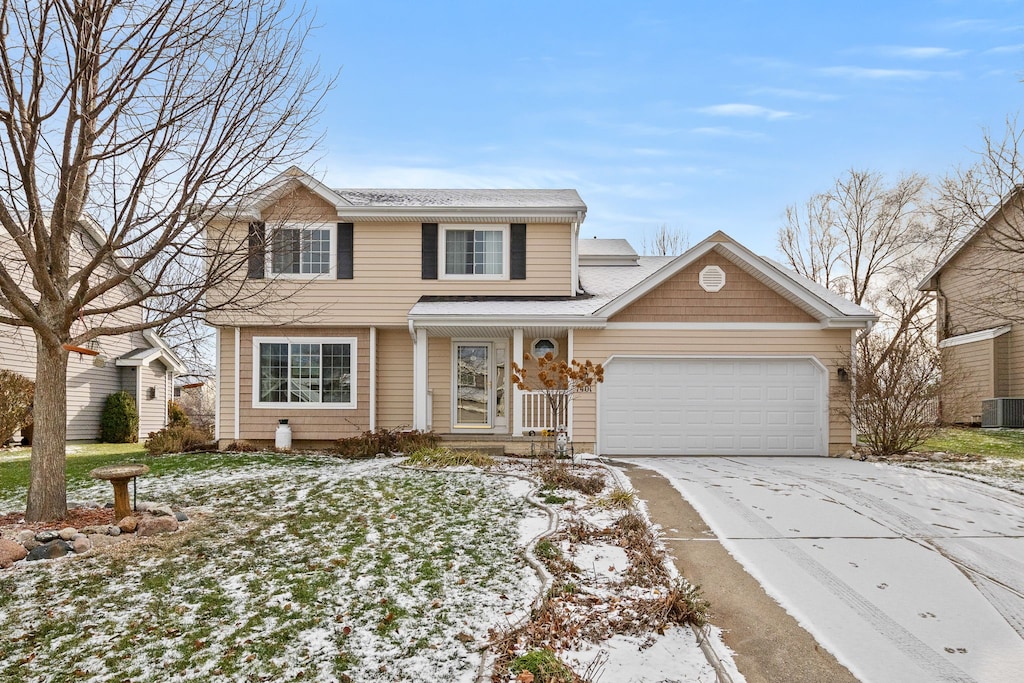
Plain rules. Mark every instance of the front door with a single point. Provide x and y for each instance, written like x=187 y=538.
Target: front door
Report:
x=473 y=404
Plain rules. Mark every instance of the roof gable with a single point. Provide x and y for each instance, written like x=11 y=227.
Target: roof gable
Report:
x=822 y=305
x=743 y=298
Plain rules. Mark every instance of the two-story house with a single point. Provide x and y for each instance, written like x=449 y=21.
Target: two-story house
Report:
x=139 y=363
x=406 y=308
x=978 y=288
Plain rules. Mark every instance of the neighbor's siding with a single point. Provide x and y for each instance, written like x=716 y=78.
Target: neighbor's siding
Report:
x=830 y=347
x=394 y=378
x=152 y=411
x=682 y=299
x=973 y=366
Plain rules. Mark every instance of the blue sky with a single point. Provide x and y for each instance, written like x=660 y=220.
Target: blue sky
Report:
x=698 y=115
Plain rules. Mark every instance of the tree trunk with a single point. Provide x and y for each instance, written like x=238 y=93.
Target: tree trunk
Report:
x=47 y=491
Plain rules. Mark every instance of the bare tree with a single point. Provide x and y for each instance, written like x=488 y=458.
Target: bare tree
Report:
x=873 y=242
x=133 y=121
x=666 y=241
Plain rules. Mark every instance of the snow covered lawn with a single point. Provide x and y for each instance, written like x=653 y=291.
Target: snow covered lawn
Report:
x=292 y=568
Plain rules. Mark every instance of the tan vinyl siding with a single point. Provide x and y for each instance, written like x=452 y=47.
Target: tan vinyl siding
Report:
x=387 y=279
x=91 y=379
x=439 y=381
x=394 y=378
x=830 y=347
x=308 y=424
x=226 y=385
x=974 y=367
x=682 y=299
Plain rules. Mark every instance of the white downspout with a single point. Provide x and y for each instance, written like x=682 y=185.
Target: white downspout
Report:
x=216 y=403
x=577 y=224
x=238 y=366
x=373 y=379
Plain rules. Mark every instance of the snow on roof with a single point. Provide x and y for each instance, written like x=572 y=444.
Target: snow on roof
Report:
x=602 y=284
x=606 y=247
x=478 y=198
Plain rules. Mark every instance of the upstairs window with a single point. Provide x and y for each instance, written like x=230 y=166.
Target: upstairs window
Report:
x=475 y=252
x=301 y=251
x=306 y=373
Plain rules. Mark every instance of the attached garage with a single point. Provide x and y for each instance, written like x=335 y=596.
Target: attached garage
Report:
x=712 y=406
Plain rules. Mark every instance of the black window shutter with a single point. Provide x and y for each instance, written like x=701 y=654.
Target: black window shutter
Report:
x=257 y=249
x=517 y=252
x=345 y=251
x=429 y=251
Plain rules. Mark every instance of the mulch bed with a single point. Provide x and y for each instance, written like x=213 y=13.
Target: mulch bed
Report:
x=76 y=517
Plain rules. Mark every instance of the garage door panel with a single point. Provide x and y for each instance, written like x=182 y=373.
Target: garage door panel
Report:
x=712 y=406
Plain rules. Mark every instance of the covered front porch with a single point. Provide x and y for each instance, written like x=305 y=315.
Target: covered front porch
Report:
x=463 y=386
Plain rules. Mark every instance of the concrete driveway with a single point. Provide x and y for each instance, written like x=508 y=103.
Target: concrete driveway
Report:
x=903 y=575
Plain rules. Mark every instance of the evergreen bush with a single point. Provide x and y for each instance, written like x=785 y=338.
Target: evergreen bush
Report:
x=176 y=415
x=16 y=393
x=120 y=422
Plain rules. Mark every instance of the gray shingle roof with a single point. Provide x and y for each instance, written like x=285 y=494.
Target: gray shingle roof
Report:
x=481 y=199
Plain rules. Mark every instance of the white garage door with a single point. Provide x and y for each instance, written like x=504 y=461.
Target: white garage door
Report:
x=698 y=406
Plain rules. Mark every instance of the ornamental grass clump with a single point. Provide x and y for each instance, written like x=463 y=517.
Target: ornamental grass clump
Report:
x=446 y=457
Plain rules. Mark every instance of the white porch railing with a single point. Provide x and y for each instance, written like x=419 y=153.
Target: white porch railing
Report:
x=537 y=414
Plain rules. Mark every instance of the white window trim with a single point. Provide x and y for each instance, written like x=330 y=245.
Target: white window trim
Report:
x=533 y=346
x=332 y=267
x=506 y=249
x=353 y=377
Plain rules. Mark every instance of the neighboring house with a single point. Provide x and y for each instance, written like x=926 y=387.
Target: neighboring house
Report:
x=406 y=308
x=978 y=290
x=139 y=363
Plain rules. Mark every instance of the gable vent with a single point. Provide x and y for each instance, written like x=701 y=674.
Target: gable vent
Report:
x=712 y=278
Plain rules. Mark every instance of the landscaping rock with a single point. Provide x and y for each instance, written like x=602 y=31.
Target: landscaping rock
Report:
x=113 y=530
x=82 y=544
x=937 y=457
x=161 y=511
x=151 y=526
x=102 y=540
x=47 y=536
x=31 y=544
x=11 y=552
x=128 y=525
x=68 y=532
x=181 y=516
x=50 y=551
x=24 y=535
x=144 y=506
x=94 y=529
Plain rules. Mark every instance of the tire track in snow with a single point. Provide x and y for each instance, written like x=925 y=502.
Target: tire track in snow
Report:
x=915 y=649
x=983 y=566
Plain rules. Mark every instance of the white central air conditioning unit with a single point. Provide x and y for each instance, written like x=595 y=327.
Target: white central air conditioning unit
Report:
x=1002 y=412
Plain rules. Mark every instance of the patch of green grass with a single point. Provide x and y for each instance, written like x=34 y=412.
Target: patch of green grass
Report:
x=1002 y=443
x=554 y=499
x=290 y=557
x=544 y=665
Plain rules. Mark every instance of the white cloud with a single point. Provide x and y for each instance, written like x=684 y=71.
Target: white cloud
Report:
x=745 y=110
x=1005 y=49
x=865 y=73
x=794 y=94
x=908 y=52
x=726 y=132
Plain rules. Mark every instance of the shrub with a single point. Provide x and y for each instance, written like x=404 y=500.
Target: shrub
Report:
x=120 y=422
x=177 y=439
x=446 y=457
x=16 y=393
x=555 y=476
x=545 y=667
x=386 y=441
x=242 y=446
x=176 y=415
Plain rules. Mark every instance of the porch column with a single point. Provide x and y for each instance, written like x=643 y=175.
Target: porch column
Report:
x=419 y=380
x=570 y=353
x=517 y=394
